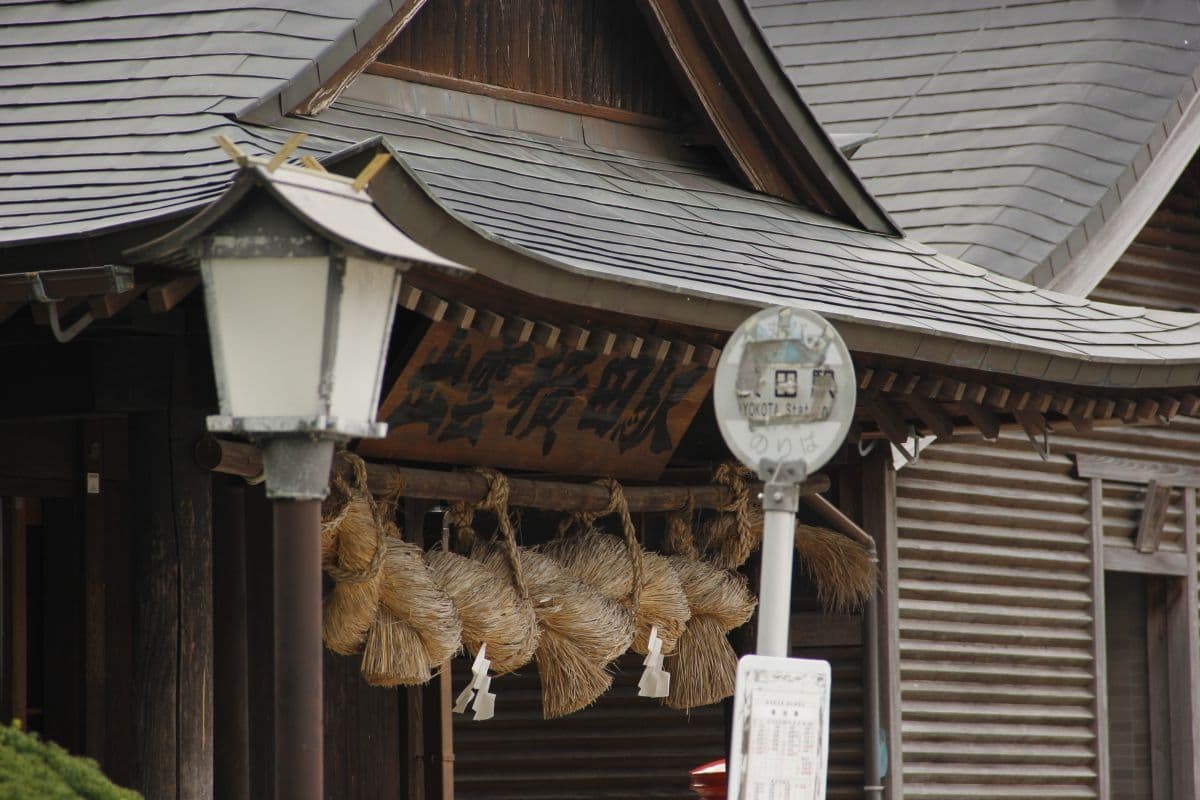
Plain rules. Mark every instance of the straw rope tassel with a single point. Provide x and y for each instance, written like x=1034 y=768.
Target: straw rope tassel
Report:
x=494 y=607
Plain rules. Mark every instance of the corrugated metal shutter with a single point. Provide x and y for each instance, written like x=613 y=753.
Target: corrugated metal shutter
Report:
x=623 y=748
x=994 y=603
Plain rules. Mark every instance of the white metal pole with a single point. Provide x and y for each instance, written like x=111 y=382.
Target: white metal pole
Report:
x=775 y=574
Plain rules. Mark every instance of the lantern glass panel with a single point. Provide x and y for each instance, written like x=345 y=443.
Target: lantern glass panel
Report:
x=267 y=325
x=363 y=329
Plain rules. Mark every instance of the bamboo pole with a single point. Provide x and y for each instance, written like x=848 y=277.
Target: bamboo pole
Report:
x=245 y=460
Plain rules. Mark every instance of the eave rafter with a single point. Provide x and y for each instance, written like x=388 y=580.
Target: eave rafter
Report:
x=87 y=294
x=895 y=403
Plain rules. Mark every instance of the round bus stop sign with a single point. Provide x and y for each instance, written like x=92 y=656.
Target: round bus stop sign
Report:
x=785 y=390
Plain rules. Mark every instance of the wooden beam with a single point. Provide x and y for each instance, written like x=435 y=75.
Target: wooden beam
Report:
x=460 y=314
x=1035 y=427
x=987 y=422
x=1154 y=516
x=930 y=386
x=109 y=305
x=1120 y=559
x=1080 y=414
x=574 y=337
x=487 y=322
x=545 y=334
x=1018 y=400
x=165 y=296
x=1062 y=404
x=1189 y=405
x=884 y=380
x=997 y=397
x=516 y=329
x=891 y=422
x=1147 y=409
x=245 y=460
x=1168 y=407
x=936 y=419
x=1128 y=470
x=975 y=394
x=865 y=376
x=707 y=355
x=1099 y=636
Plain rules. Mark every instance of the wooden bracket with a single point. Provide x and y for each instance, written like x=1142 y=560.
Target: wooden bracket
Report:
x=940 y=423
x=1154 y=517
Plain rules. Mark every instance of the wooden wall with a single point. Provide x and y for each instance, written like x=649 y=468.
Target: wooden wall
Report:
x=995 y=652
x=995 y=595
x=597 y=52
x=1161 y=269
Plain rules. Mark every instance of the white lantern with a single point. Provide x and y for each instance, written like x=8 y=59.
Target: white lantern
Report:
x=301 y=275
x=299 y=343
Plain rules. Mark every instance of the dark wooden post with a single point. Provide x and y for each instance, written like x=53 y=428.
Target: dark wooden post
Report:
x=298 y=651
x=14 y=685
x=231 y=734
x=260 y=646
x=879 y=520
x=171 y=546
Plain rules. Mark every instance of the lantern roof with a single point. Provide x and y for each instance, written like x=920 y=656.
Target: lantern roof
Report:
x=338 y=209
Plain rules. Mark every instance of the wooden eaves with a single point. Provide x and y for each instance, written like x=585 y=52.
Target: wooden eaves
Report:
x=563 y=292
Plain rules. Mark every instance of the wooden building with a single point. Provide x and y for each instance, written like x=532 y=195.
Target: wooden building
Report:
x=627 y=180
x=1045 y=640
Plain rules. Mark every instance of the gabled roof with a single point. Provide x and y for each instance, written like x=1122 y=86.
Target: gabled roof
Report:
x=109 y=107
x=1006 y=134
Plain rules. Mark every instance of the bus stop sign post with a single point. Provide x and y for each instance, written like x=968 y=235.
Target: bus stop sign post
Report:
x=784 y=397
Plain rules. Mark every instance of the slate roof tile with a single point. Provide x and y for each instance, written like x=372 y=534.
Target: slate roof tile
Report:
x=536 y=193
x=1020 y=100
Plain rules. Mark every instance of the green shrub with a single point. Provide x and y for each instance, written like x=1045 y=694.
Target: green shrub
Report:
x=31 y=769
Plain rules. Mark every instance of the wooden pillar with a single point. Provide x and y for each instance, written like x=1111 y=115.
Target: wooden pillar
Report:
x=1183 y=660
x=63 y=614
x=429 y=736
x=231 y=722
x=14 y=677
x=171 y=546
x=1099 y=637
x=879 y=520
x=260 y=638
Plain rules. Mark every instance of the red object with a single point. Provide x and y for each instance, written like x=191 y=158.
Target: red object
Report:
x=708 y=780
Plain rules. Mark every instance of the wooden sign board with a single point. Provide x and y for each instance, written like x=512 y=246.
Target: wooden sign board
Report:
x=467 y=398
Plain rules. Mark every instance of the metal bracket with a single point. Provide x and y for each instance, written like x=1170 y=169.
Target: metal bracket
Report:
x=51 y=303
x=781 y=484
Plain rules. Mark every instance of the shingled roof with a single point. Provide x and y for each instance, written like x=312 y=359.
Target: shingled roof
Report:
x=119 y=99
x=109 y=107
x=679 y=228
x=1004 y=133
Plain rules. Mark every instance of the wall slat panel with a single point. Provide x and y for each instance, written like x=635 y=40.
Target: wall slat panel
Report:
x=996 y=664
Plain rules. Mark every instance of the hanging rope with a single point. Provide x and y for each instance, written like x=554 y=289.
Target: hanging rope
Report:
x=496 y=501
x=736 y=477
x=678 y=539
x=619 y=506
x=360 y=490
